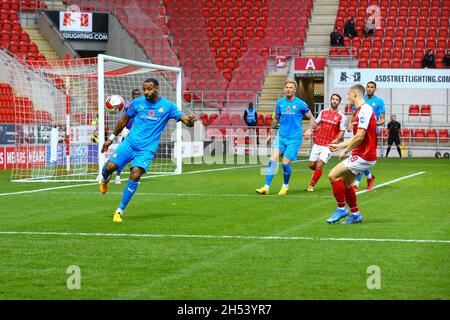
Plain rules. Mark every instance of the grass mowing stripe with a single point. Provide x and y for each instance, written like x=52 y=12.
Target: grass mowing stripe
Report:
x=198 y=194
x=199 y=236
x=145 y=177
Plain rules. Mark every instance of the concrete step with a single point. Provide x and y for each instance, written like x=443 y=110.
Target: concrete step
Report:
x=323 y=19
x=316 y=39
x=269 y=98
x=326 y=2
x=325 y=9
x=42 y=43
x=320 y=28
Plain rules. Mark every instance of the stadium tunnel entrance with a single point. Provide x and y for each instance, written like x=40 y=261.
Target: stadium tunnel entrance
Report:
x=311 y=90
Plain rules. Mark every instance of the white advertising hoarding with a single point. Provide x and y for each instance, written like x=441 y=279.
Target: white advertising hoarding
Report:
x=394 y=78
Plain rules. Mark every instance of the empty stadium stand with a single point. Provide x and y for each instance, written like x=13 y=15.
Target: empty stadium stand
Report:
x=13 y=37
x=27 y=114
x=407 y=29
x=222 y=45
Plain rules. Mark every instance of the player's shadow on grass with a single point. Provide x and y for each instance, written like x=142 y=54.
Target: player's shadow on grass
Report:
x=152 y=216
x=378 y=220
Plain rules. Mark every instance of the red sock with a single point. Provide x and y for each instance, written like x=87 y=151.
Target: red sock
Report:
x=316 y=176
x=350 y=196
x=339 y=192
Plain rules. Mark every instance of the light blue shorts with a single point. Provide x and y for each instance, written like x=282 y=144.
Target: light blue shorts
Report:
x=289 y=149
x=125 y=153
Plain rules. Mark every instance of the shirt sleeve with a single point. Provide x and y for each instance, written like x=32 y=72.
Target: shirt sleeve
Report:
x=278 y=110
x=365 y=114
x=319 y=117
x=175 y=113
x=381 y=109
x=305 y=109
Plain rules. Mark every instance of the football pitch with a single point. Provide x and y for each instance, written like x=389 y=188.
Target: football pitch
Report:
x=207 y=235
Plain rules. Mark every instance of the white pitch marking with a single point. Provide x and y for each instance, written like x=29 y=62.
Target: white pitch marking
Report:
x=199 y=236
x=392 y=181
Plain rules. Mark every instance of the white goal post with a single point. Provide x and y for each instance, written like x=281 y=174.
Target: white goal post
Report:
x=169 y=79
x=60 y=121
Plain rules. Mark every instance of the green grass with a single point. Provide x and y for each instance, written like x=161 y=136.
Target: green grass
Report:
x=34 y=266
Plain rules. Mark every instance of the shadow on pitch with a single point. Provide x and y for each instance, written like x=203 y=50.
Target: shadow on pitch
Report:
x=378 y=220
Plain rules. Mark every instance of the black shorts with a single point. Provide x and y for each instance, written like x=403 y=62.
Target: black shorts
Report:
x=395 y=139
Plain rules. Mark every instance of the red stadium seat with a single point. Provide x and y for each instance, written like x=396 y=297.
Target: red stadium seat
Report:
x=268 y=121
x=431 y=135
x=406 y=64
x=419 y=135
x=425 y=110
x=205 y=119
x=213 y=118
x=385 y=63
x=363 y=63
x=407 y=133
x=443 y=135
x=386 y=53
x=408 y=53
x=375 y=54
x=414 y=110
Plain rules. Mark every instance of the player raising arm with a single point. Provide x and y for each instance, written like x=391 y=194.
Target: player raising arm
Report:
x=289 y=113
x=364 y=156
x=151 y=113
x=328 y=128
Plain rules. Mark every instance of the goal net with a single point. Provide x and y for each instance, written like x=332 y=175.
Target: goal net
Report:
x=61 y=121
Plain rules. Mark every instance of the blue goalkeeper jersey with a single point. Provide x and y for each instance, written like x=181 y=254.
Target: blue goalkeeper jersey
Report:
x=150 y=120
x=291 y=116
x=377 y=105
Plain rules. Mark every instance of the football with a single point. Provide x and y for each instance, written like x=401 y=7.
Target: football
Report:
x=114 y=103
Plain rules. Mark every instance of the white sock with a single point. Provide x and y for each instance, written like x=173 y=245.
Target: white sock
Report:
x=342 y=209
x=267 y=186
x=355 y=213
x=285 y=186
x=119 y=211
x=369 y=176
x=356 y=183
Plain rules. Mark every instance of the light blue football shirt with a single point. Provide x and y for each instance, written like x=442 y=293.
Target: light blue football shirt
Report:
x=377 y=105
x=150 y=120
x=291 y=116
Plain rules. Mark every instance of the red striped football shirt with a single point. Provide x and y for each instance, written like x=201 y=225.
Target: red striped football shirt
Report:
x=365 y=119
x=330 y=124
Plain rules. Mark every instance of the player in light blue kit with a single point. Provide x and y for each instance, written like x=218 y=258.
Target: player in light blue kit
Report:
x=134 y=94
x=289 y=112
x=377 y=105
x=151 y=113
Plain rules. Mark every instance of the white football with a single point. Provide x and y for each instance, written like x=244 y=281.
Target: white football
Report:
x=114 y=103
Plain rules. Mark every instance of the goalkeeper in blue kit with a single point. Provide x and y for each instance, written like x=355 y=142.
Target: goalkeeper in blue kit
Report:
x=151 y=113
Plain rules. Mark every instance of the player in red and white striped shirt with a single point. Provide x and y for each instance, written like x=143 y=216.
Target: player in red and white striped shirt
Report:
x=364 y=156
x=328 y=128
